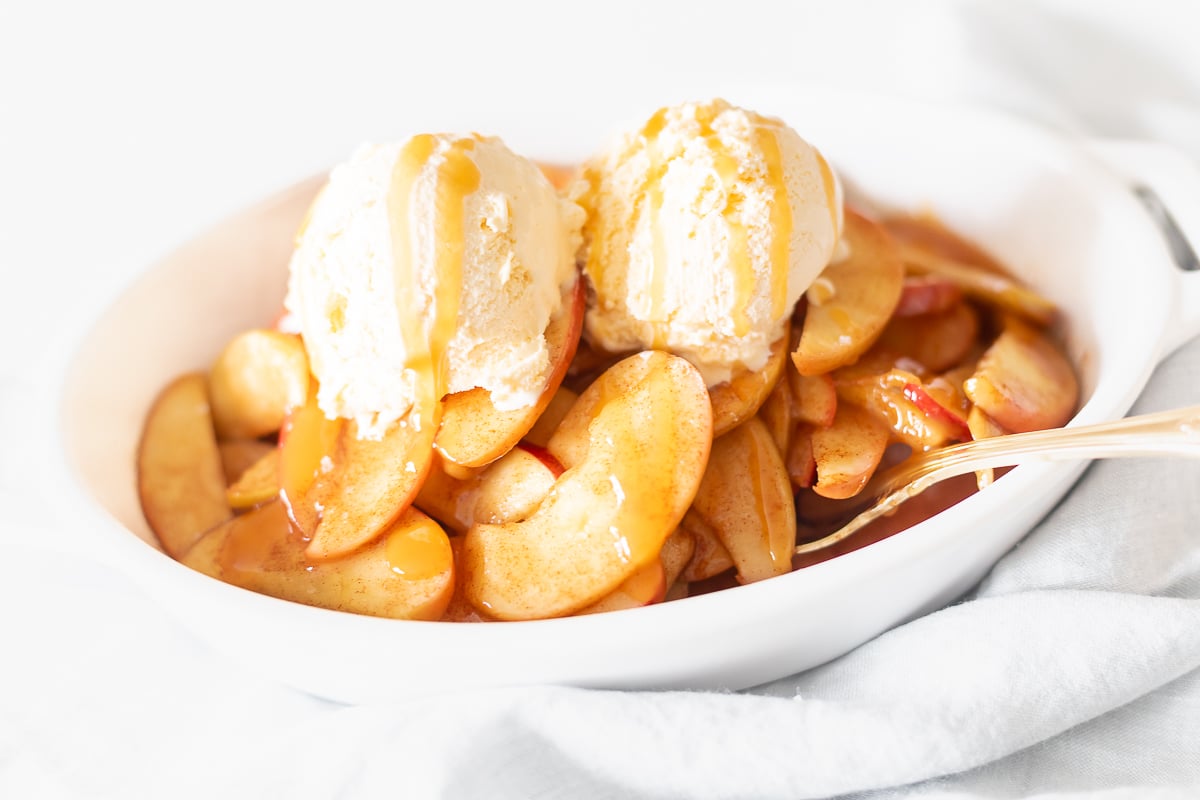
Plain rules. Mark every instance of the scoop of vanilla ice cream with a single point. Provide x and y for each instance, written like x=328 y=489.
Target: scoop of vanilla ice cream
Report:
x=704 y=228
x=459 y=229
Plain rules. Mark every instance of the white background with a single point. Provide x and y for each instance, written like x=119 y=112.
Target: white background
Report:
x=125 y=127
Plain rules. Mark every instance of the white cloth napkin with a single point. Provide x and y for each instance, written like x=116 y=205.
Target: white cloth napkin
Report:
x=1073 y=670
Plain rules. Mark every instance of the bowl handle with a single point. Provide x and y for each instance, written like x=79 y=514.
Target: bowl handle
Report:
x=1167 y=182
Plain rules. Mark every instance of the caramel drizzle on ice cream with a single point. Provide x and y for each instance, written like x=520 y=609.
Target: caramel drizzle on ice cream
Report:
x=426 y=340
x=738 y=248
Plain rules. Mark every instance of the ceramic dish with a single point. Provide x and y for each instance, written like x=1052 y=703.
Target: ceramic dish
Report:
x=1061 y=216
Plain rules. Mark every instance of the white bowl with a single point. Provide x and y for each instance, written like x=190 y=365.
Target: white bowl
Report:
x=1050 y=208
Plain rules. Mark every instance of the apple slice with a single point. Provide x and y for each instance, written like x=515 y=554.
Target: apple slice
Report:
x=848 y=451
x=927 y=294
x=800 y=462
x=982 y=426
x=551 y=416
x=1023 y=381
x=408 y=573
x=459 y=609
x=474 y=432
x=256 y=380
x=257 y=485
x=709 y=556
x=993 y=288
x=865 y=289
x=898 y=399
x=342 y=491
x=778 y=414
x=507 y=490
x=747 y=499
x=180 y=481
x=646 y=429
x=676 y=552
x=646 y=585
x=739 y=398
x=937 y=341
x=239 y=455
x=815 y=398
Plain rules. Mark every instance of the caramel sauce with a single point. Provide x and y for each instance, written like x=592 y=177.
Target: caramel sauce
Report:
x=741 y=264
x=260 y=541
x=781 y=219
x=654 y=196
x=426 y=343
x=309 y=450
x=419 y=551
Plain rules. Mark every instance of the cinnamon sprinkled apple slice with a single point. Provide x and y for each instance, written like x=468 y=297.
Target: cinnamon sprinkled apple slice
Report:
x=864 y=291
x=642 y=434
x=180 y=480
x=474 y=433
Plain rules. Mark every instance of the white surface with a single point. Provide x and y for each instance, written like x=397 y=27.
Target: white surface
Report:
x=126 y=129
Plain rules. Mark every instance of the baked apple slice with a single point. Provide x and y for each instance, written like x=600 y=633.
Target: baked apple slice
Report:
x=181 y=483
x=709 y=556
x=1023 y=381
x=507 y=490
x=864 y=291
x=647 y=584
x=847 y=452
x=257 y=484
x=239 y=455
x=256 y=380
x=408 y=573
x=938 y=340
x=747 y=499
x=341 y=491
x=474 y=433
x=739 y=398
x=552 y=415
x=644 y=430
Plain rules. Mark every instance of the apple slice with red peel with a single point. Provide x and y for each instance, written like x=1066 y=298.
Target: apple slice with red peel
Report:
x=994 y=288
x=180 y=481
x=408 y=573
x=646 y=426
x=551 y=416
x=1023 y=381
x=239 y=455
x=342 y=491
x=474 y=432
x=739 y=398
x=257 y=485
x=898 y=400
x=747 y=499
x=255 y=381
x=848 y=451
x=937 y=413
x=865 y=289
x=507 y=490
x=927 y=294
x=709 y=556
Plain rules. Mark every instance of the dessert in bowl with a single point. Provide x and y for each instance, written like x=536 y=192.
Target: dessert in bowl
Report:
x=1053 y=214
